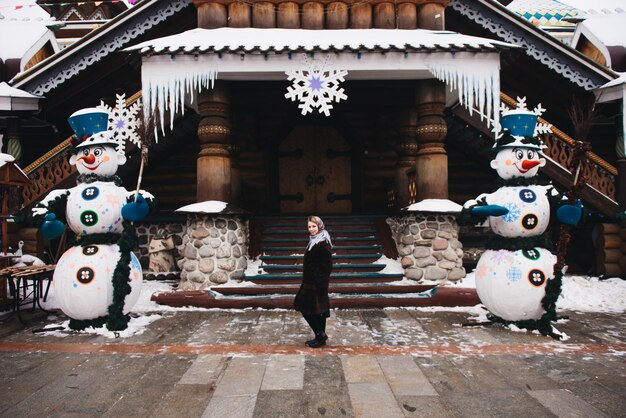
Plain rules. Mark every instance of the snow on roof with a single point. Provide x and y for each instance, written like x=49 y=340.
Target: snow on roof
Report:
x=280 y=40
x=208 y=206
x=608 y=29
x=597 y=7
x=23 y=35
x=434 y=205
x=8 y=91
x=22 y=10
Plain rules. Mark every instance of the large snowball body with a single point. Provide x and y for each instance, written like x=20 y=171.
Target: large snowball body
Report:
x=95 y=208
x=83 y=283
x=529 y=211
x=511 y=284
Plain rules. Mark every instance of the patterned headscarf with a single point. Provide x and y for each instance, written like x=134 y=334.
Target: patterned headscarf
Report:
x=321 y=235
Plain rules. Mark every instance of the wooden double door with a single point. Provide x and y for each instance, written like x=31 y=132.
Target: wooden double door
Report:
x=315 y=172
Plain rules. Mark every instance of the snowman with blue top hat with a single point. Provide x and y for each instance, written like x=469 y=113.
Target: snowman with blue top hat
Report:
x=515 y=277
x=98 y=280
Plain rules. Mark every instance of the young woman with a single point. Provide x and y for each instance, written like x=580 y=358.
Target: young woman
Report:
x=312 y=298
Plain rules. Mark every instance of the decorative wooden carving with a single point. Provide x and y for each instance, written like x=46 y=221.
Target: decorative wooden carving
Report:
x=361 y=16
x=211 y=15
x=263 y=15
x=312 y=15
x=385 y=16
x=432 y=160
x=288 y=15
x=407 y=16
x=337 y=15
x=406 y=148
x=239 y=15
x=214 y=159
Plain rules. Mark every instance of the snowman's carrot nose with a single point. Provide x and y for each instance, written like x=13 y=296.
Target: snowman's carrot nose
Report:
x=89 y=159
x=528 y=164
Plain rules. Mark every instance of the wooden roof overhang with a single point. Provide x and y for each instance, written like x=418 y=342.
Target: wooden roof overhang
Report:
x=267 y=54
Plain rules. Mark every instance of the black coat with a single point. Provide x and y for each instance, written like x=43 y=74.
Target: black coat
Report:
x=312 y=298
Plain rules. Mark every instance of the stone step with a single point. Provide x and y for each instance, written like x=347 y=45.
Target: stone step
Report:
x=339 y=258
x=335 y=288
x=343 y=267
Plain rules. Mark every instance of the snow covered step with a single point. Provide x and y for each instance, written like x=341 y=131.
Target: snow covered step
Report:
x=335 y=234
x=442 y=296
x=337 y=258
x=337 y=249
x=329 y=225
x=292 y=289
x=302 y=242
x=345 y=267
x=333 y=296
x=335 y=277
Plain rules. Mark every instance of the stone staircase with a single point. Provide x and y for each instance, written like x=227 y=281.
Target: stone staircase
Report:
x=365 y=273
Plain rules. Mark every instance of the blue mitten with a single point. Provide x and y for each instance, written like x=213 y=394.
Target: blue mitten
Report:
x=52 y=228
x=570 y=214
x=137 y=210
x=489 y=210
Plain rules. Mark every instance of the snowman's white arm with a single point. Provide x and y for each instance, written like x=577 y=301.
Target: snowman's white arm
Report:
x=48 y=204
x=130 y=196
x=474 y=202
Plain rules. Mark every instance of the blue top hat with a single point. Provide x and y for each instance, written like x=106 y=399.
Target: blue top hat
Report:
x=91 y=127
x=519 y=122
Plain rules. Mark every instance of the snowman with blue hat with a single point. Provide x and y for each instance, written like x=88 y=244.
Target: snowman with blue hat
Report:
x=98 y=280
x=515 y=277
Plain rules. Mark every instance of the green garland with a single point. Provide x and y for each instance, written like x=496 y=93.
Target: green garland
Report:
x=517 y=181
x=91 y=178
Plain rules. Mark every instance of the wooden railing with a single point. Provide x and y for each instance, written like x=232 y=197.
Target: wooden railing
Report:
x=48 y=171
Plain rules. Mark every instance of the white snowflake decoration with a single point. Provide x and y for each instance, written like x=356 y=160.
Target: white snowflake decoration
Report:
x=124 y=122
x=316 y=86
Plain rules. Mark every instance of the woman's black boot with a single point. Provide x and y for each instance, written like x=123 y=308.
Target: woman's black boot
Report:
x=320 y=340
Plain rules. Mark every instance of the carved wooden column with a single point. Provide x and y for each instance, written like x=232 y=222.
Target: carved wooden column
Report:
x=211 y=14
x=431 y=15
x=432 y=161
x=214 y=160
x=406 y=147
x=13 y=139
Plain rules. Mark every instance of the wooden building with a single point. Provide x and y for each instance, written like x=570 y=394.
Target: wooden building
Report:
x=399 y=137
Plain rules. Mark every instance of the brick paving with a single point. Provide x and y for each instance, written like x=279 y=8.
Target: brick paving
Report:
x=379 y=363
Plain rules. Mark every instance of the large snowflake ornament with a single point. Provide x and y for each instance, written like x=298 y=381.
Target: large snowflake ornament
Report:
x=316 y=86
x=124 y=122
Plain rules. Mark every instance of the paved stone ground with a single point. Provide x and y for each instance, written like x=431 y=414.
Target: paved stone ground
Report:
x=379 y=363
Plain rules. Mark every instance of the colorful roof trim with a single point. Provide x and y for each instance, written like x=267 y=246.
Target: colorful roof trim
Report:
x=543 y=12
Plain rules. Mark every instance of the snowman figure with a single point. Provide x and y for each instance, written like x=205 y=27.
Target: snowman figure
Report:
x=98 y=280
x=513 y=274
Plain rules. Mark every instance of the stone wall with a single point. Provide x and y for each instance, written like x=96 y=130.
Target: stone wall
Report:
x=214 y=250
x=429 y=246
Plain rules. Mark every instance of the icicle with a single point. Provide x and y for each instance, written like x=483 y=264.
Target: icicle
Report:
x=165 y=85
x=477 y=83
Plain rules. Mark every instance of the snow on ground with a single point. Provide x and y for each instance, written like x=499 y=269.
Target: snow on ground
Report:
x=581 y=294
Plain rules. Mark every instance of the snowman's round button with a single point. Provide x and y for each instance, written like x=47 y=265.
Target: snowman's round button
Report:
x=527 y=195
x=530 y=221
x=85 y=275
x=531 y=254
x=536 y=277
x=90 y=250
x=89 y=218
x=90 y=193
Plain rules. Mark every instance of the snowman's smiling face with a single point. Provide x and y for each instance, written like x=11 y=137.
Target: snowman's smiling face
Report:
x=100 y=159
x=517 y=162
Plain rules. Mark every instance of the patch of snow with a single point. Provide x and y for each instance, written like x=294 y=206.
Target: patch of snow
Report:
x=6 y=158
x=391 y=266
x=590 y=294
x=208 y=206
x=254 y=267
x=8 y=91
x=434 y=205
